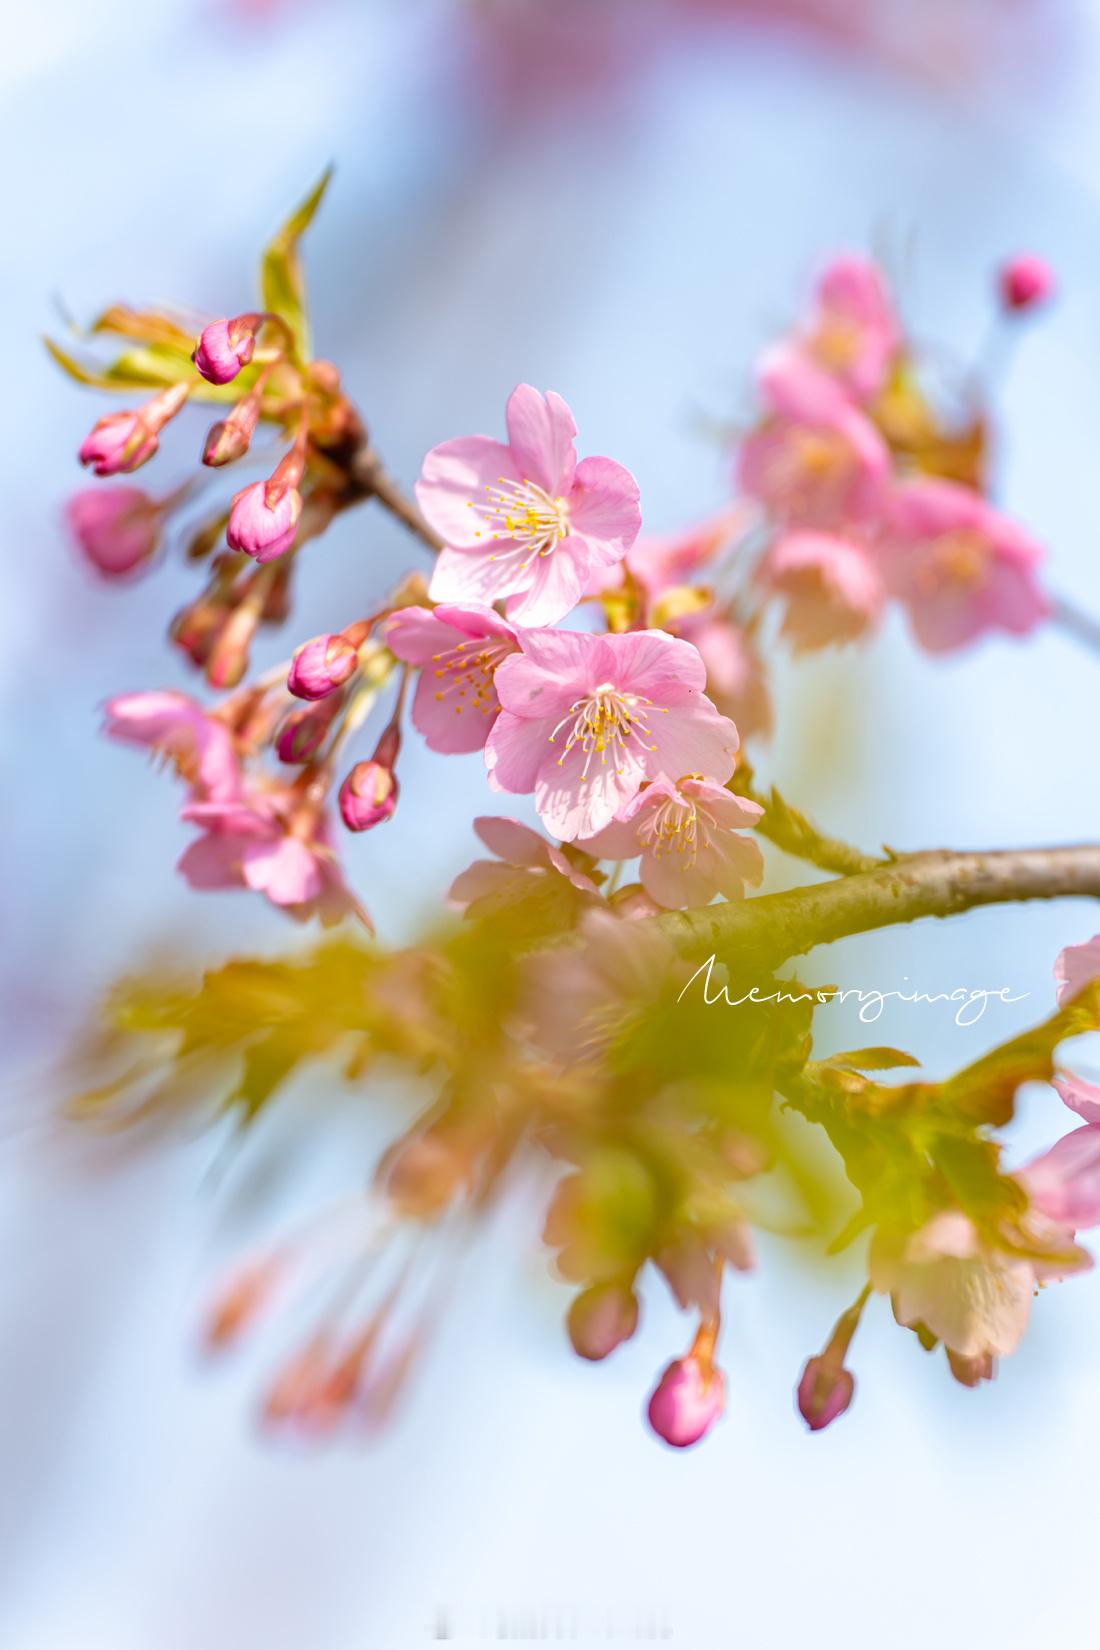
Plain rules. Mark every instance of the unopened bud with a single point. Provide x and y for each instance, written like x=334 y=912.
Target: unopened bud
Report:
x=972 y=1371
x=1025 y=282
x=118 y=444
x=321 y=666
x=824 y=1392
x=225 y=347
x=368 y=795
x=230 y=439
x=303 y=732
x=117 y=528
x=602 y=1318
x=688 y=1399
x=228 y=658
x=261 y=530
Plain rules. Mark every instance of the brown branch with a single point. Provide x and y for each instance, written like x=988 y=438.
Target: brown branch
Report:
x=936 y=884
x=370 y=479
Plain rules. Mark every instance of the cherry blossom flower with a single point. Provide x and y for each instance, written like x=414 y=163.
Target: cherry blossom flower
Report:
x=816 y=461
x=457 y=650
x=1077 y=966
x=736 y=680
x=523 y=858
x=657 y=562
x=971 y=1295
x=267 y=843
x=959 y=566
x=117 y=528
x=200 y=747
x=832 y=588
x=524 y=521
x=585 y=719
x=1064 y=1182
x=686 y=833
x=853 y=333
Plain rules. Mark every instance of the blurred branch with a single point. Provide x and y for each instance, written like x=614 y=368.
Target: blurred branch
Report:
x=940 y=883
x=1080 y=625
x=370 y=479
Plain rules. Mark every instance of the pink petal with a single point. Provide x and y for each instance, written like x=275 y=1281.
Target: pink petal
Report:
x=1064 y=1183
x=453 y=480
x=692 y=738
x=467 y=576
x=554 y=585
x=556 y=668
x=604 y=508
x=451 y=728
x=286 y=870
x=1079 y=1096
x=661 y=667
x=1077 y=966
x=541 y=432
x=512 y=841
x=516 y=749
x=416 y=635
x=212 y=862
x=571 y=806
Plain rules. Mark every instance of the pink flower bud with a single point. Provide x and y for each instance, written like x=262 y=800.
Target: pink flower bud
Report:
x=118 y=444
x=304 y=731
x=972 y=1371
x=824 y=1392
x=687 y=1401
x=230 y=439
x=368 y=795
x=1025 y=282
x=117 y=528
x=261 y=530
x=321 y=666
x=225 y=347
x=602 y=1318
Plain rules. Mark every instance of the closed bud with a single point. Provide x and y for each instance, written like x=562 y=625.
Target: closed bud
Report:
x=261 y=530
x=688 y=1399
x=231 y=438
x=602 y=1318
x=321 y=666
x=117 y=528
x=229 y=654
x=368 y=795
x=225 y=347
x=1025 y=282
x=118 y=444
x=972 y=1371
x=304 y=731
x=824 y=1392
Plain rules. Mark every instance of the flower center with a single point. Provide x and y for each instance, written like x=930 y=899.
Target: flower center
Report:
x=465 y=673
x=958 y=559
x=525 y=512
x=606 y=720
x=836 y=343
x=677 y=826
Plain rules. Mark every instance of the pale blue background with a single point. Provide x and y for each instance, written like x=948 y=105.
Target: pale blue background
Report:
x=634 y=260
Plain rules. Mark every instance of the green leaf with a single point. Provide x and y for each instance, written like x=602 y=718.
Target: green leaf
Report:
x=871 y=1059
x=282 y=282
x=149 y=367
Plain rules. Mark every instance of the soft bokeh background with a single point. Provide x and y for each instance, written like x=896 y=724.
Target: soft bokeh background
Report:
x=620 y=202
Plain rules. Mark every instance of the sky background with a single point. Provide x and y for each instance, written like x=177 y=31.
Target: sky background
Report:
x=625 y=217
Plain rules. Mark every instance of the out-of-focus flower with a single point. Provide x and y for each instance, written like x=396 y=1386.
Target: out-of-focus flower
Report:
x=225 y=347
x=261 y=529
x=736 y=679
x=853 y=331
x=117 y=528
x=302 y=733
x=586 y=718
x=124 y=441
x=525 y=521
x=1077 y=966
x=200 y=747
x=971 y=1295
x=601 y=1319
x=321 y=666
x=687 y=833
x=688 y=1399
x=457 y=651
x=816 y=461
x=1079 y=1096
x=832 y=589
x=1064 y=1182
x=959 y=566
x=267 y=842
x=1025 y=282
x=523 y=858
x=971 y=1372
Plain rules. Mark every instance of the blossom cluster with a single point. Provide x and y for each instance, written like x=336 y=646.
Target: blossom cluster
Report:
x=611 y=676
